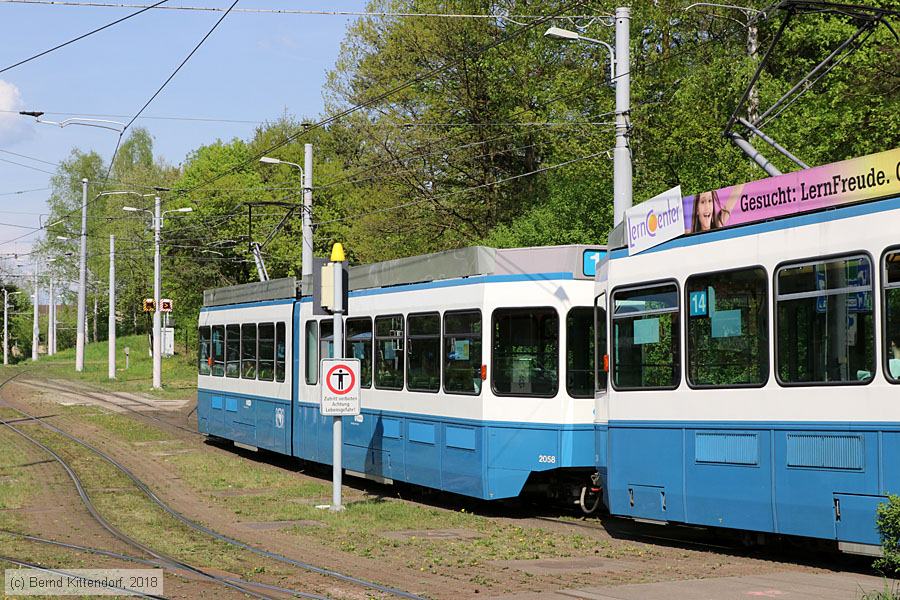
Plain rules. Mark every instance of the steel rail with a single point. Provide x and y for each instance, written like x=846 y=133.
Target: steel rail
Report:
x=172 y=562
x=206 y=530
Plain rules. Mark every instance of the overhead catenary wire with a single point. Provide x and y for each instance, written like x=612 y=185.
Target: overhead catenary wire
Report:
x=148 y=117
x=466 y=190
x=19 y=192
x=81 y=37
x=379 y=97
x=294 y=11
x=166 y=82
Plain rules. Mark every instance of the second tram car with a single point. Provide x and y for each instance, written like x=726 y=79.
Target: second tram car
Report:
x=476 y=369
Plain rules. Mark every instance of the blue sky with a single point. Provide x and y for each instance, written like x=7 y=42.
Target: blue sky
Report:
x=254 y=68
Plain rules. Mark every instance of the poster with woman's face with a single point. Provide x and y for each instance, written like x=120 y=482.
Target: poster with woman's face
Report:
x=845 y=182
x=710 y=210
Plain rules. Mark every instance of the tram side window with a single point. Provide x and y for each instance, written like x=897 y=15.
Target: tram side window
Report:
x=892 y=315
x=232 y=351
x=280 y=345
x=266 y=352
x=389 y=352
x=580 y=352
x=359 y=345
x=218 y=350
x=525 y=352
x=248 y=351
x=204 y=353
x=825 y=322
x=728 y=341
x=462 y=352
x=645 y=347
x=423 y=353
x=312 y=352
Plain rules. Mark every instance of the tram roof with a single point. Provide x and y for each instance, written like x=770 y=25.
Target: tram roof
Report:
x=437 y=266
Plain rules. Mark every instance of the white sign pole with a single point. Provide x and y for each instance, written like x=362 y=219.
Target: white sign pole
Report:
x=337 y=256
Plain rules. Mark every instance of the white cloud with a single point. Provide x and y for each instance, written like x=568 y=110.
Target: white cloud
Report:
x=13 y=127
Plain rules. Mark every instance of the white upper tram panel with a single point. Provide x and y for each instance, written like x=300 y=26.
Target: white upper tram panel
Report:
x=865 y=231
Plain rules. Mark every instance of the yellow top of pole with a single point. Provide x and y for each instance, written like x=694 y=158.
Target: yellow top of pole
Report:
x=337 y=253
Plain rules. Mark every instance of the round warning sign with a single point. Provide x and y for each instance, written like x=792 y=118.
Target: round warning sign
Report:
x=340 y=387
x=340 y=379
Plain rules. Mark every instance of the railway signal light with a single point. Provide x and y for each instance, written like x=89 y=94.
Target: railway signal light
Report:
x=149 y=305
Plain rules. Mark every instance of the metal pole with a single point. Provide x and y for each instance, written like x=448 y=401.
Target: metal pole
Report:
x=5 y=329
x=337 y=423
x=112 y=307
x=82 y=283
x=307 y=255
x=157 y=327
x=622 y=153
x=50 y=320
x=35 y=327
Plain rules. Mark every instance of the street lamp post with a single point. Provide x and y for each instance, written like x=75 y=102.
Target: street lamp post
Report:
x=620 y=73
x=51 y=312
x=112 y=309
x=82 y=282
x=6 y=296
x=307 y=242
x=35 y=327
x=157 y=215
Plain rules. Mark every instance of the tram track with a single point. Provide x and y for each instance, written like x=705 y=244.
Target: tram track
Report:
x=56 y=387
x=162 y=559
x=191 y=524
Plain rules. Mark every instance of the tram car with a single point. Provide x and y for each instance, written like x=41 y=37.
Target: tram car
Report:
x=753 y=369
x=477 y=373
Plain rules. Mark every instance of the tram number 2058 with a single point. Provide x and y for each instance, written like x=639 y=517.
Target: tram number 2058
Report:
x=547 y=458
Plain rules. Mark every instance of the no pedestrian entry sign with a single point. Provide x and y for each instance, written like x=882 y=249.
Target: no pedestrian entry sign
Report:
x=340 y=387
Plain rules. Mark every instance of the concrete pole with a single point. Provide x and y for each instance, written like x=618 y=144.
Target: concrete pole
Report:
x=622 y=172
x=157 y=284
x=307 y=254
x=82 y=283
x=5 y=328
x=337 y=423
x=51 y=316
x=112 y=307
x=35 y=327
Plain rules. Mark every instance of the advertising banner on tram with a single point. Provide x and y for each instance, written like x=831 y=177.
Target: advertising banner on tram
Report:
x=654 y=221
x=854 y=180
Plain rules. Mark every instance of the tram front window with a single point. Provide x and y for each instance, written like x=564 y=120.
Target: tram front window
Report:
x=892 y=315
x=645 y=348
x=825 y=322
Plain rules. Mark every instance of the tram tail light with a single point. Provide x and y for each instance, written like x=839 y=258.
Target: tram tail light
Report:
x=484 y=372
x=606 y=363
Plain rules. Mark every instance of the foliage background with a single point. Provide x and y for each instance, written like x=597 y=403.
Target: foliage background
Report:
x=452 y=106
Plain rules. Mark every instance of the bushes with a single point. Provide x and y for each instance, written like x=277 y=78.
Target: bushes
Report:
x=888 y=519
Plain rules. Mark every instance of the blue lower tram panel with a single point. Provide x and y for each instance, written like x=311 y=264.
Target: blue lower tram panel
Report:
x=805 y=480
x=481 y=460
x=251 y=420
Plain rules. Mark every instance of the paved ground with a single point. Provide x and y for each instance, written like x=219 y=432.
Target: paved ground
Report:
x=786 y=585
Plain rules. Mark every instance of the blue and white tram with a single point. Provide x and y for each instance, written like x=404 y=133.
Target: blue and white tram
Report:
x=477 y=382
x=753 y=376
